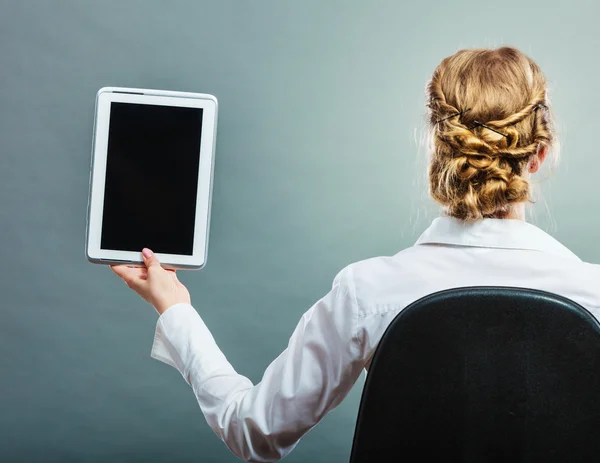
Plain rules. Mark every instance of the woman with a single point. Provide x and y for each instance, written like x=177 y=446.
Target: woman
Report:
x=491 y=128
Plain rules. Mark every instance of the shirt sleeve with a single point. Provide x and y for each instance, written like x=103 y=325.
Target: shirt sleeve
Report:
x=264 y=422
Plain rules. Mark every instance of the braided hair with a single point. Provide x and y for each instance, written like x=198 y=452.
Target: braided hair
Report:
x=489 y=114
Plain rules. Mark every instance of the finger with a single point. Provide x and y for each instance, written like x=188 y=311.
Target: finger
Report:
x=151 y=260
x=130 y=274
x=120 y=270
x=139 y=273
x=124 y=269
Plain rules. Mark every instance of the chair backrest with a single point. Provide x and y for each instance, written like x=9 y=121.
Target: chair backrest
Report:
x=484 y=374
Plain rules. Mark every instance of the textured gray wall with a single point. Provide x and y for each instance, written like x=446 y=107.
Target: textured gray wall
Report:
x=318 y=164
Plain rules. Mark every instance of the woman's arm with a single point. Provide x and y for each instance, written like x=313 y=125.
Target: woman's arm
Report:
x=264 y=422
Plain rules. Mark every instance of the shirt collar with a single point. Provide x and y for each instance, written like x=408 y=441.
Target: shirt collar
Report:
x=493 y=233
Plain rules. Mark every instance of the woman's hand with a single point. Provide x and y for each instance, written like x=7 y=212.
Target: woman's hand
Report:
x=156 y=285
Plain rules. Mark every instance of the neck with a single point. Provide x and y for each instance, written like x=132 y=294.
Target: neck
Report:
x=517 y=212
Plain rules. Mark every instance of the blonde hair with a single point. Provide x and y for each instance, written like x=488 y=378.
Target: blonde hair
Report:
x=489 y=113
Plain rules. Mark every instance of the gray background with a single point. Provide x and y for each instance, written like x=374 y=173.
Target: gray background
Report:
x=319 y=163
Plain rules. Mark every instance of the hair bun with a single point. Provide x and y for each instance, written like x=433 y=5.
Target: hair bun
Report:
x=479 y=153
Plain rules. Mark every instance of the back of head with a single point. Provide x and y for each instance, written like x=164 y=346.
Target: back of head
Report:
x=489 y=114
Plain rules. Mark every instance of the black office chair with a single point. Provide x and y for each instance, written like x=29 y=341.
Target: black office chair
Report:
x=484 y=374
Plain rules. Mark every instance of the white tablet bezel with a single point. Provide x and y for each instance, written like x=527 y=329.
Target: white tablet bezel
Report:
x=104 y=98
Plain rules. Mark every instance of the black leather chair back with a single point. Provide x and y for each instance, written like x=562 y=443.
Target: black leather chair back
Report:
x=484 y=374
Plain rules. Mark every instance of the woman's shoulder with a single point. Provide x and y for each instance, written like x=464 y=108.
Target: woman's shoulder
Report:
x=375 y=266
x=383 y=277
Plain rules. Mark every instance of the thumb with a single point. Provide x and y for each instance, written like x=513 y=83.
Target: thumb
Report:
x=150 y=258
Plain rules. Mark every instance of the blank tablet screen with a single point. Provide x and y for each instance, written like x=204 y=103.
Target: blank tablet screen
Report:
x=151 y=178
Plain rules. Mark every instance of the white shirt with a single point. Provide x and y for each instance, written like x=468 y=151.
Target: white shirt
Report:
x=336 y=338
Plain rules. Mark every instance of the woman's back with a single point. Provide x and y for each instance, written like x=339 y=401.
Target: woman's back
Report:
x=451 y=254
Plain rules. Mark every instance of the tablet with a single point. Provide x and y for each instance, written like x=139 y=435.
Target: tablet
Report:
x=151 y=177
